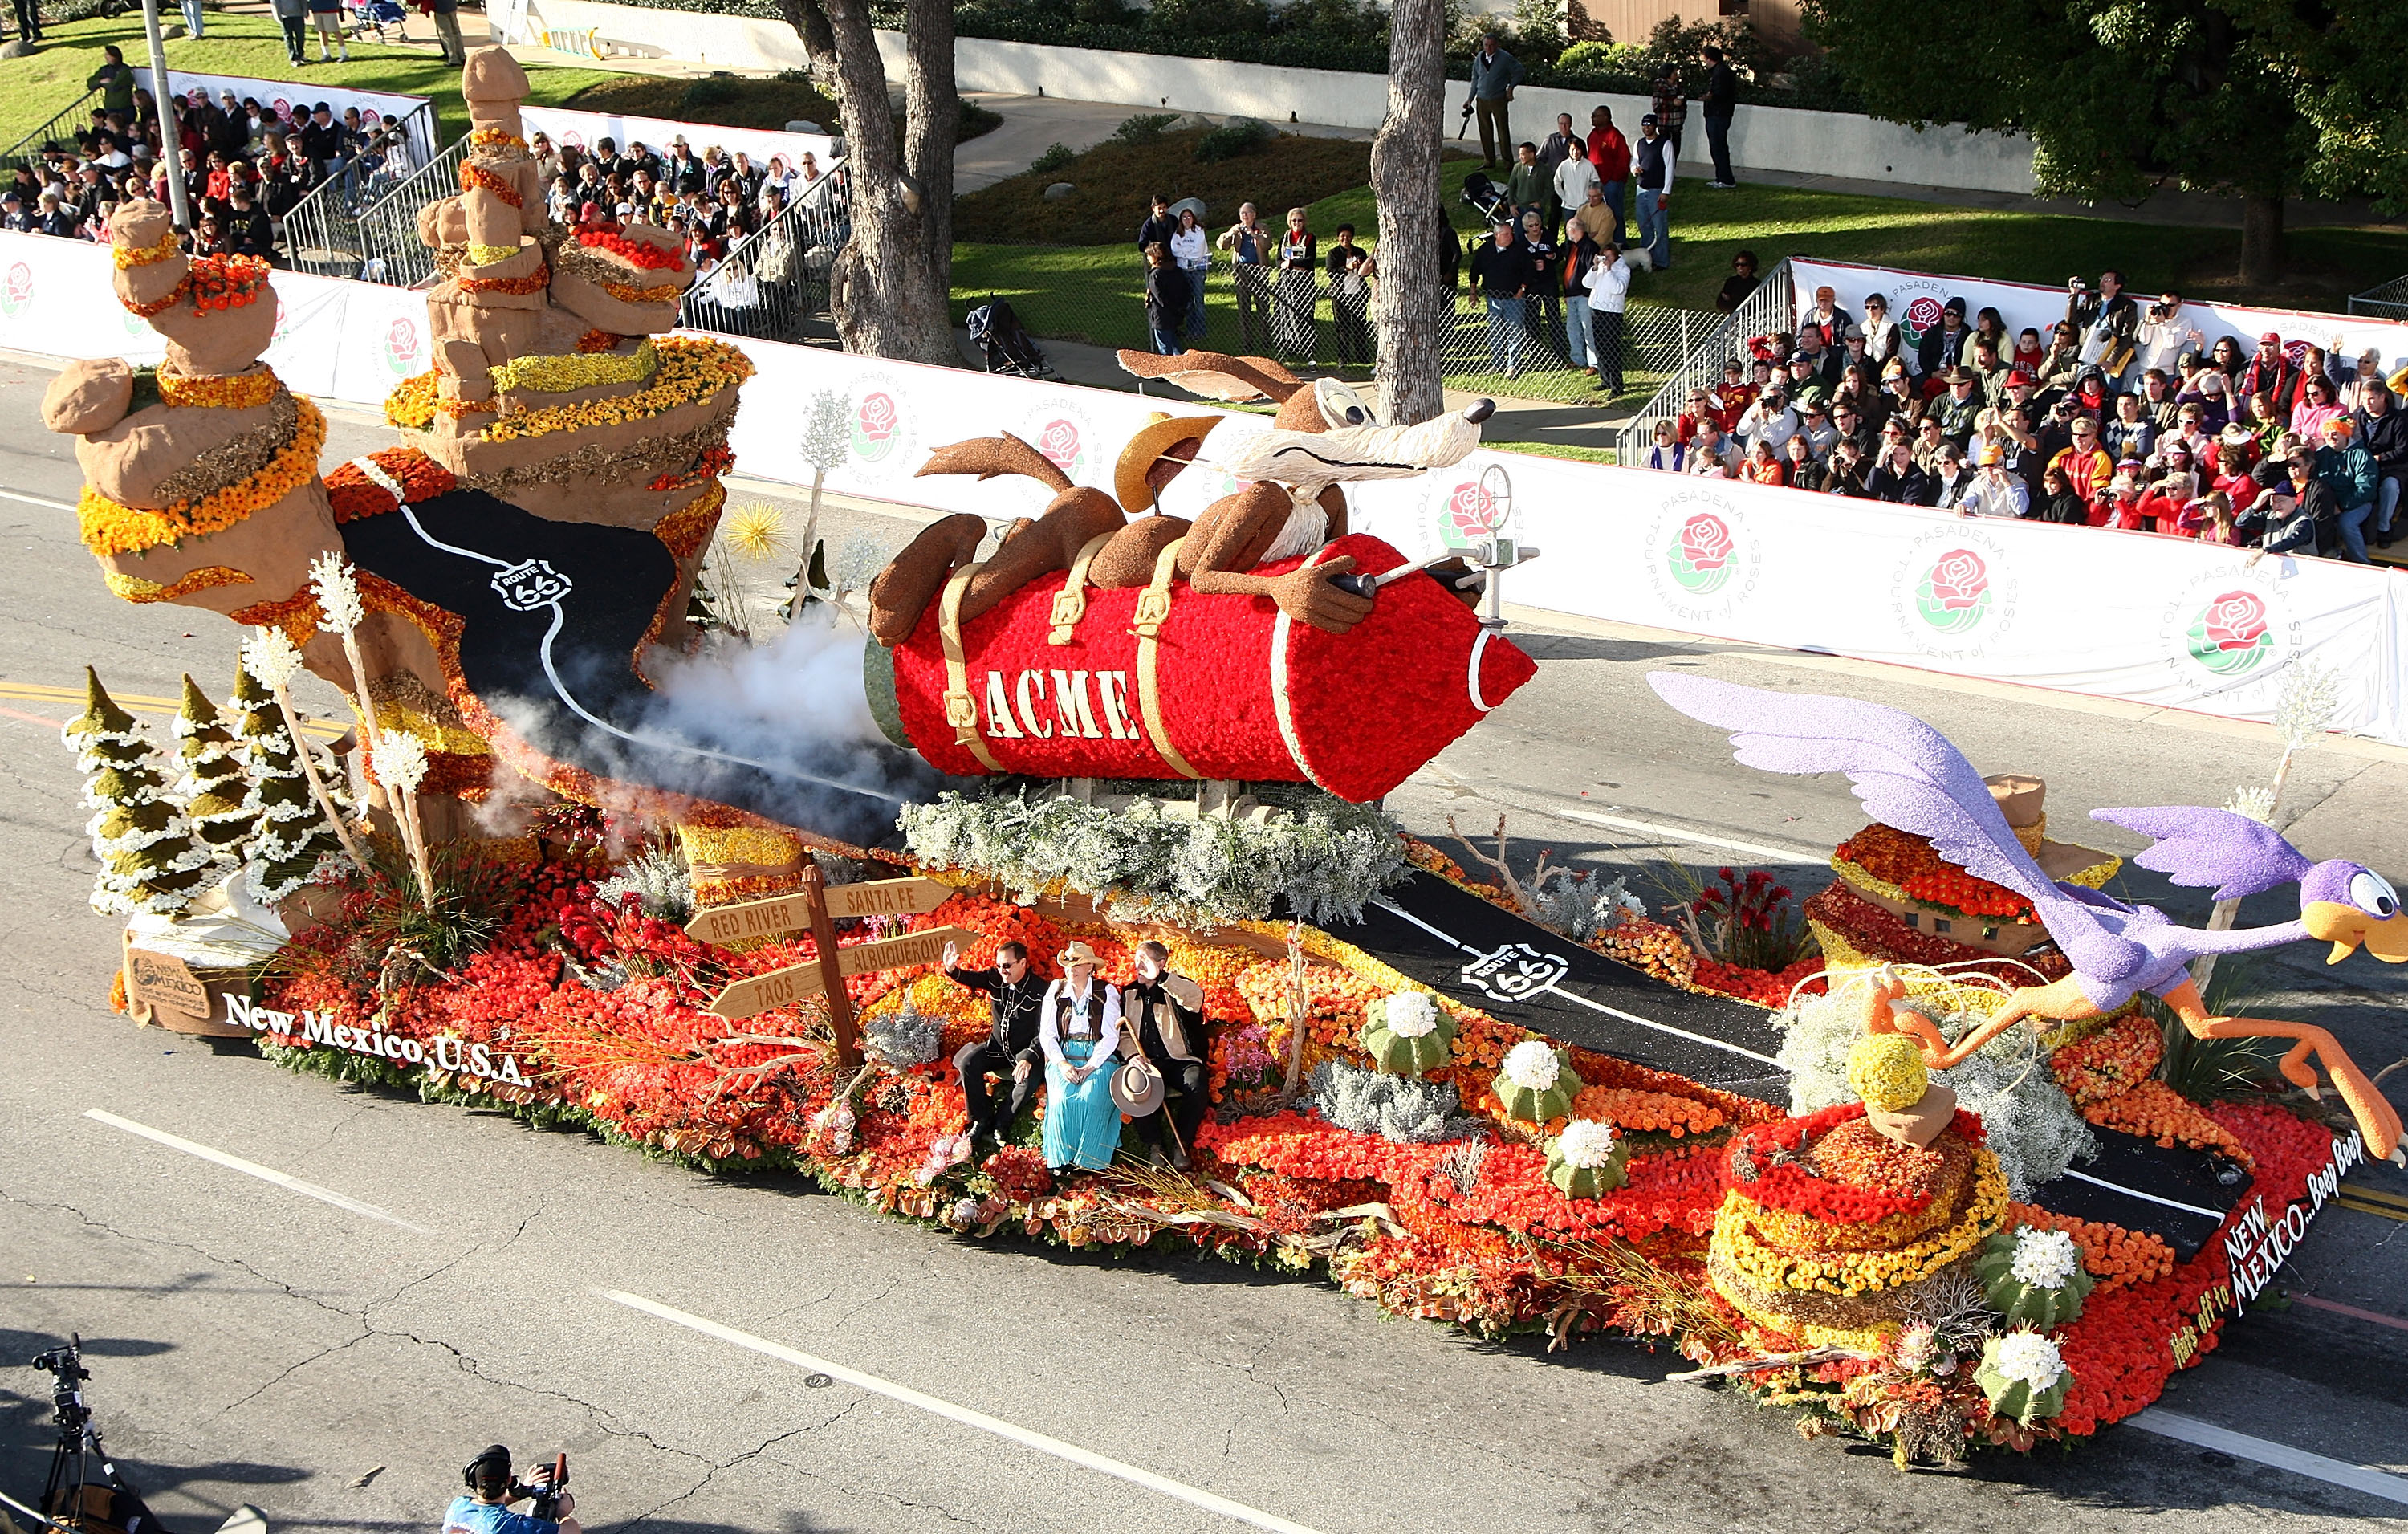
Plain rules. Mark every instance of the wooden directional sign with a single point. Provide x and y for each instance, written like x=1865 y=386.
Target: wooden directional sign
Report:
x=784 y=913
x=781 y=987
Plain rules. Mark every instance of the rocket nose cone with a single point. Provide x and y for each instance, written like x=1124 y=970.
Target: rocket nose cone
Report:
x=1498 y=669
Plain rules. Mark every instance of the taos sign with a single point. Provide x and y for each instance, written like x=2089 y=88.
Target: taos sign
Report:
x=447 y=1051
x=2256 y=1246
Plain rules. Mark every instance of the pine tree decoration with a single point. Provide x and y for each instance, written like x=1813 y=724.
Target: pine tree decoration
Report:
x=291 y=835
x=215 y=787
x=150 y=863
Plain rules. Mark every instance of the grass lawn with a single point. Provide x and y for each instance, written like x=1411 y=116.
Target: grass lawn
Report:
x=738 y=102
x=37 y=87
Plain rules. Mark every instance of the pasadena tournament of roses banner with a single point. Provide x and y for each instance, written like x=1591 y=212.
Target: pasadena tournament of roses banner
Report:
x=2159 y=621
x=583 y=130
x=375 y=107
x=1916 y=299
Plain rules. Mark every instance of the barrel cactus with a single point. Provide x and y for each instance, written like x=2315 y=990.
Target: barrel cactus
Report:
x=1537 y=1082
x=2033 y=1277
x=1588 y=1159
x=2024 y=1376
x=1405 y=1034
x=1887 y=1070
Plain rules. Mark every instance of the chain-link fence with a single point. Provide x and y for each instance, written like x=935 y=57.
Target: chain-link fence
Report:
x=1527 y=349
x=1772 y=307
x=2386 y=302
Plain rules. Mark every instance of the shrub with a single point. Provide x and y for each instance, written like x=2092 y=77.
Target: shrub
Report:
x=1145 y=128
x=714 y=91
x=1055 y=156
x=1239 y=136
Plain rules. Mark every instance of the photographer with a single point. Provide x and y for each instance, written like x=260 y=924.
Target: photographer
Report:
x=1016 y=993
x=485 y=1507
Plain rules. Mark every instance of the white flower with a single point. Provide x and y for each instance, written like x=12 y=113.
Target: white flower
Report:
x=400 y=760
x=1915 y=1347
x=271 y=658
x=1412 y=1014
x=339 y=592
x=1586 y=1142
x=2044 y=1258
x=1533 y=1063
x=2029 y=1356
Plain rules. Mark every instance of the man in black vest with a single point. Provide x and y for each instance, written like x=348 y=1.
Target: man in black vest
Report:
x=1011 y=1049
x=1651 y=169
x=1164 y=1012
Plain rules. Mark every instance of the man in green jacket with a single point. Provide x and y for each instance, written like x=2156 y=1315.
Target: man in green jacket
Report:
x=114 y=80
x=1494 y=75
x=2345 y=466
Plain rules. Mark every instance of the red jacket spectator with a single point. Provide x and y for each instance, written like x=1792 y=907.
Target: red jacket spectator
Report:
x=2088 y=472
x=2270 y=371
x=1609 y=153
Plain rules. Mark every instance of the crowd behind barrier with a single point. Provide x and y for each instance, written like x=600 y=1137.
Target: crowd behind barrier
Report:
x=2161 y=621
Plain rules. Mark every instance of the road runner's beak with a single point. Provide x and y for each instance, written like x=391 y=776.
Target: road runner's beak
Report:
x=2349 y=928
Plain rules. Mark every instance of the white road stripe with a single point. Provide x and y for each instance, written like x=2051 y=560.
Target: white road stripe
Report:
x=36 y=500
x=2206 y=1435
x=1025 y=1437
x=2135 y=1192
x=253 y=1168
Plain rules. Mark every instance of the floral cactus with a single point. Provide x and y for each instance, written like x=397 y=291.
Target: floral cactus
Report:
x=2033 y=1277
x=1537 y=1082
x=2024 y=1376
x=1405 y=1034
x=1588 y=1159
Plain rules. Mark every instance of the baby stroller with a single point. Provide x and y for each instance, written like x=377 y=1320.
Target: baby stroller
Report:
x=375 y=16
x=1489 y=198
x=1004 y=342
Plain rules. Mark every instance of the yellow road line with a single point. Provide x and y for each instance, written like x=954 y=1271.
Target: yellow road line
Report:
x=2360 y=1190
x=140 y=703
x=2384 y=1210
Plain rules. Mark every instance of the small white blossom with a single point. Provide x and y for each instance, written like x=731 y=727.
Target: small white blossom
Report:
x=1412 y=1014
x=2045 y=1260
x=1533 y=1063
x=2029 y=1356
x=337 y=590
x=400 y=760
x=1586 y=1142
x=271 y=658
x=1916 y=1348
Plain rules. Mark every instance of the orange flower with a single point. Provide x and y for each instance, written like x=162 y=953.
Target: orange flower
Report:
x=2110 y=1253
x=2154 y=1110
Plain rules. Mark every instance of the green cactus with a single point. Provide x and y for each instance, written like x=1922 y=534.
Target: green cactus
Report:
x=2015 y=1397
x=1587 y=1181
x=2040 y=1307
x=1533 y=1105
x=1400 y=1054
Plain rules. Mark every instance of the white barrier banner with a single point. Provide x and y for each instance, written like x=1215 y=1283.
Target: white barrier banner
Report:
x=2158 y=621
x=1916 y=299
x=285 y=96
x=583 y=130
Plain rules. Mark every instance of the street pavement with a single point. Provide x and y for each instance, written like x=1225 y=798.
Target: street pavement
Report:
x=250 y=1342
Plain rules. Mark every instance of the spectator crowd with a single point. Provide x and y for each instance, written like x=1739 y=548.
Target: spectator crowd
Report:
x=2126 y=415
x=711 y=198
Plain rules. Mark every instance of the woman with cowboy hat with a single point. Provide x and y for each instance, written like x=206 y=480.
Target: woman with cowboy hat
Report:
x=1079 y=1030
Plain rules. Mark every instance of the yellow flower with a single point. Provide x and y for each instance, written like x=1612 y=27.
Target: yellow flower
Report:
x=1887 y=1070
x=757 y=531
x=109 y=528
x=569 y=371
x=234 y=391
x=1858 y=1272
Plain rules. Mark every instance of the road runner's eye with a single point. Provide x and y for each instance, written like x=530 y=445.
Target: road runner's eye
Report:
x=2373 y=894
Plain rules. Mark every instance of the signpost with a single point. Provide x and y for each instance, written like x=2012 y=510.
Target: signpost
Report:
x=819 y=905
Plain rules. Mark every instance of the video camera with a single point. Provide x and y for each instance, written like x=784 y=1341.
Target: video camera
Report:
x=65 y=1367
x=489 y=1476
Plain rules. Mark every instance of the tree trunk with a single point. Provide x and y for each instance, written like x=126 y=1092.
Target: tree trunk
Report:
x=891 y=283
x=2261 y=240
x=1409 y=311
x=811 y=24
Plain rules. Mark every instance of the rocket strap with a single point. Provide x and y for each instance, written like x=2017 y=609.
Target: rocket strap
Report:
x=1070 y=602
x=1153 y=610
x=961 y=705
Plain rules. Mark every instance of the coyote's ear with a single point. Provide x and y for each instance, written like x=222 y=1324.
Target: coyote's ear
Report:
x=1215 y=375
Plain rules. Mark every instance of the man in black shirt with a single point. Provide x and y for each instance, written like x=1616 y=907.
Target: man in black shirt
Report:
x=1009 y=1049
x=1501 y=271
x=1165 y=300
x=1720 y=100
x=1158 y=226
x=247 y=228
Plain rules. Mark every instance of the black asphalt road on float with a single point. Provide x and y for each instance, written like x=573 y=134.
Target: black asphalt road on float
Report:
x=553 y=615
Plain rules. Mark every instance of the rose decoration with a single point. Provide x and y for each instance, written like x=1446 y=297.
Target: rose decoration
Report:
x=1959 y=579
x=1405 y=1032
x=1706 y=542
x=2230 y=634
x=1472 y=512
x=1537 y=1082
x=1059 y=443
x=2024 y=1376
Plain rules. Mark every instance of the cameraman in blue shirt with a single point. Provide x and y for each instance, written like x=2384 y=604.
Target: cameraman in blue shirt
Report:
x=486 y=1506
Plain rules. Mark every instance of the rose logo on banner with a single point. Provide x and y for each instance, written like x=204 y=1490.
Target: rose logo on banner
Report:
x=1700 y=554
x=2230 y=634
x=282 y=104
x=874 y=424
x=402 y=347
x=1059 y=442
x=1915 y=303
x=1954 y=592
x=1472 y=514
x=275 y=338
x=880 y=427
x=1921 y=315
x=370 y=117
x=16 y=289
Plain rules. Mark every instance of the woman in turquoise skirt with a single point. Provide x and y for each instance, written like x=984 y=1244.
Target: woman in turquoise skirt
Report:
x=1079 y=1029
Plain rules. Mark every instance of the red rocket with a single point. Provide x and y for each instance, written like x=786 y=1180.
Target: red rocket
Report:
x=1163 y=681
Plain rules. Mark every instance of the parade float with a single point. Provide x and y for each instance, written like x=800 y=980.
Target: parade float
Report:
x=580 y=860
